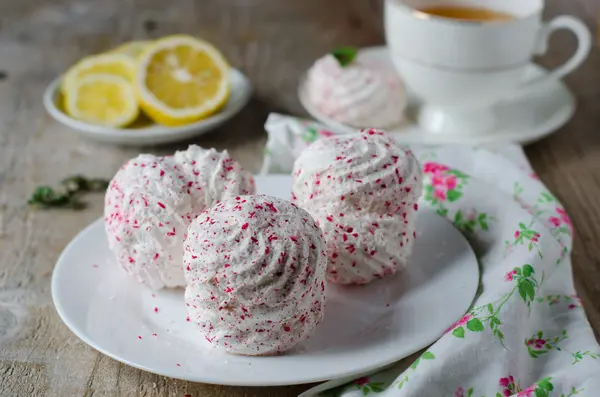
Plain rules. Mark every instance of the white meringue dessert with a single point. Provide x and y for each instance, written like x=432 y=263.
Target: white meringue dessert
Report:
x=360 y=94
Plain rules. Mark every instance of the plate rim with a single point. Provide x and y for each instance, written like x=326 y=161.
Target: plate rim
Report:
x=524 y=137
x=231 y=381
x=156 y=130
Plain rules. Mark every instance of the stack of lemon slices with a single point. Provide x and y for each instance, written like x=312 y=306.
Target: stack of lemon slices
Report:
x=174 y=80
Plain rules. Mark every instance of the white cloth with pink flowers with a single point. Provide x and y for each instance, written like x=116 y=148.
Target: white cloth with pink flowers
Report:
x=526 y=333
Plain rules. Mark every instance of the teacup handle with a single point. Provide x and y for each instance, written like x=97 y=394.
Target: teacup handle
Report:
x=584 y=47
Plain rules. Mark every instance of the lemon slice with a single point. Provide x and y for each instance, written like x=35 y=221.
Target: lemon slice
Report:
x=131 y=48
x=111 y=63
x=102 y=99
x=181 y=79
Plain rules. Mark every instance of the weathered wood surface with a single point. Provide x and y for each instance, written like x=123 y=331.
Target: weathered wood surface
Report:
x=273 y=42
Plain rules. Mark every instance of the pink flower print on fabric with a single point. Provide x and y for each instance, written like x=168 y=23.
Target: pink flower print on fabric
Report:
x=508 y=385
x=554 y=220
x=527 y=392
x=434 y=168
x=460 y=392
x=577 y=300
x=537 y=343
x=510 y=275
x=440 y=181
x=505 y=382
x=362 y=381
x=463 y=321
x=562 y=218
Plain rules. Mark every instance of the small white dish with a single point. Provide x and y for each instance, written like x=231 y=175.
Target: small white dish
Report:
x=523 y=118
x=150 y=133
x=364 y=328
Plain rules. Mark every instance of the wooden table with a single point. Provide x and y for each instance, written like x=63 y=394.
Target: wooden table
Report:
x=272 y=41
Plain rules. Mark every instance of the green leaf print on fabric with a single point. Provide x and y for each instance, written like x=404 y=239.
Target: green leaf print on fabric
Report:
x=470 y=392
x=543 y=388
x=309 y=135
x=525 y=235
x=475 y=325
x=425 y=356
x=459 y=332
x=546 y=197
x=475 y=321
x=454 y=195
x=572 y=393
x=470 y=221
x=367 y=387
x=572 y=300
x=404 y=377
x=526 y=282
x=579 y=356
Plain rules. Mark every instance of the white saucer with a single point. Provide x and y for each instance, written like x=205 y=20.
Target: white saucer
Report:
x=523 y=119
x=150 y=134
x=364 y=327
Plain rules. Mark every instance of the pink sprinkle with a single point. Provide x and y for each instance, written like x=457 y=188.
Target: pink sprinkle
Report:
x=271 y=207
x=161 y=205
x=154 y=335
x=95 y=266
x=245 y=226
x=179 y=365
x=156 y=310
x=154 y=295
x=187 y=319
x=139 y=337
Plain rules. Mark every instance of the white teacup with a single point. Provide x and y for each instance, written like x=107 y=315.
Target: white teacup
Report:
x=459 y=68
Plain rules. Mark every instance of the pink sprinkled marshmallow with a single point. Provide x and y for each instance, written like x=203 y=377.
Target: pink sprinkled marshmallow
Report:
x=255 y=269
x=363 y=190
x=152 y=200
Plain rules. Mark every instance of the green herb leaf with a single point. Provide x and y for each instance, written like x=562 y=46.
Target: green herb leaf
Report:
x=69 y=195
x=344 y=55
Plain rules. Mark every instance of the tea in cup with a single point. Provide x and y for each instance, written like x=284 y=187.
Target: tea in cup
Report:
x=462 y=56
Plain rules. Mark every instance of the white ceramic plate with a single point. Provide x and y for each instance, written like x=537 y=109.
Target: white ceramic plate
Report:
x=522 y=119
x=151 y=134
x=364 y=327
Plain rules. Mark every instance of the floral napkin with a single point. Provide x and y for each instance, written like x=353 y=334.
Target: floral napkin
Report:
x=526 y=334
